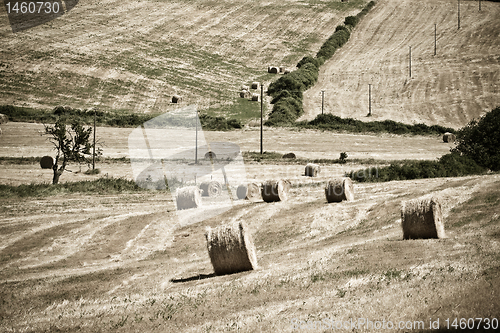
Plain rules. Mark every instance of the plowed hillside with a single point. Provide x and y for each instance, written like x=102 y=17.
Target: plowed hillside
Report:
x=459 y=83
x=134 y=55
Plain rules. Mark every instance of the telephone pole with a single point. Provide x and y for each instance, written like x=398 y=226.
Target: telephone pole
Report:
x=410 y=62
x=435 y=38
x=369 y=100
x=458 y=14
x=261 y=115
x=322 y=100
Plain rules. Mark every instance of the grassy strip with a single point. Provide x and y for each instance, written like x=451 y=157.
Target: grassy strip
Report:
x=99 y=186
x=334 y=123
x=449 y=165
x=105 y=118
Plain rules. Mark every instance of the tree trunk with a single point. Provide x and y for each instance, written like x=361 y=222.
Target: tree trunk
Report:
x=55 y=179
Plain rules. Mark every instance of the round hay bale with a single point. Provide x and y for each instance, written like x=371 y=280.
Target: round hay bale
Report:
x=243 y=87
x=188 y=197
x=275 y=190
x=339 y=189
x=211 y=189
x=422 y=218
x=210 y=155
x=46 y=162
x=312 y=170
x=255 y=97
x=176 y=99
x=245 y=94
x=255 y=85
x=3 y=119
x=249 y=191
x=449 y=137
x=231 y=248
x=273 y=70
x=289 y=155
x=287 y=71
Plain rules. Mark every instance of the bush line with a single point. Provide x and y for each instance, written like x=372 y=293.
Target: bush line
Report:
x=108 y=118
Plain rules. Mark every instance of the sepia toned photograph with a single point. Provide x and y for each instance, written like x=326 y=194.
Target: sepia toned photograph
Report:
x=249 y=166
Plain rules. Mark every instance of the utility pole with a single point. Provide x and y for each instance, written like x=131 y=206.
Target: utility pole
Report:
x=458 y=14
x=93 y=146
x=261 y=115
x=479 y=5
x=410 y=62
x=196 y=141
x=369 y=100
x=322 y=100
x=435 y=38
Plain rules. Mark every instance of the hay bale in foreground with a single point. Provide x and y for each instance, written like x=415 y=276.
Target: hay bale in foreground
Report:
x=231 y=248
x=176 y=99
x=210 y=155
x=255 y=85
x=211 y=189
x=275 y=190
x=46 y=162
x=255 y=97
x=422 y=218
x=249 y=191
x=245 y=94
x=3 y=119
x=312 y=170
x=449 y=137
x=339 y=189
x=289 y=155
x=188 y=197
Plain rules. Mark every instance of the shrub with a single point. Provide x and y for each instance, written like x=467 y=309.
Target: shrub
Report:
x=285 y=93
x=480 y=140
x=351 y=20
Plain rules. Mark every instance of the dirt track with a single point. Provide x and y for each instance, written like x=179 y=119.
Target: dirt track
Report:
x=460 y=83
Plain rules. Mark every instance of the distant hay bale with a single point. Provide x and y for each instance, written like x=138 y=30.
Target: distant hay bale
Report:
x=287 y=71
x=245 y=94
x=422 y=218
x=255 y=97
x=275 y=190
x=3 y=119
x=289 y=155
x=211 y=189
x=255 y=85
x=449 y=137
x=249 y=192
x=339 y=189
x=312 y=170
x=46 y=162
x=176 y=99
x=273 y=70
x=243 y=87
x=188 y=197
x=231 y=248
x=282 y=69
x=210 y=155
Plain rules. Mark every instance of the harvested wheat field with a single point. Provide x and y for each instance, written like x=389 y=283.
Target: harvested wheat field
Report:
x=459 y=83
x=126 y=263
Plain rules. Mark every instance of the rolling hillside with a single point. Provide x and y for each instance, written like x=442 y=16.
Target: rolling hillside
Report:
x=460 y=83
x=135 y=55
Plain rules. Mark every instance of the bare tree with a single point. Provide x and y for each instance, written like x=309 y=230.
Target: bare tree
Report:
x=72 y=144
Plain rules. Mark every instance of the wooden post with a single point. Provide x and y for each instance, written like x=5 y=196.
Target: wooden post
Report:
x=93 y=146
x=261 y=116
x=196 y=142
x=435 y=38
x=410 y=62
x=369 y=99
x=322 y=100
